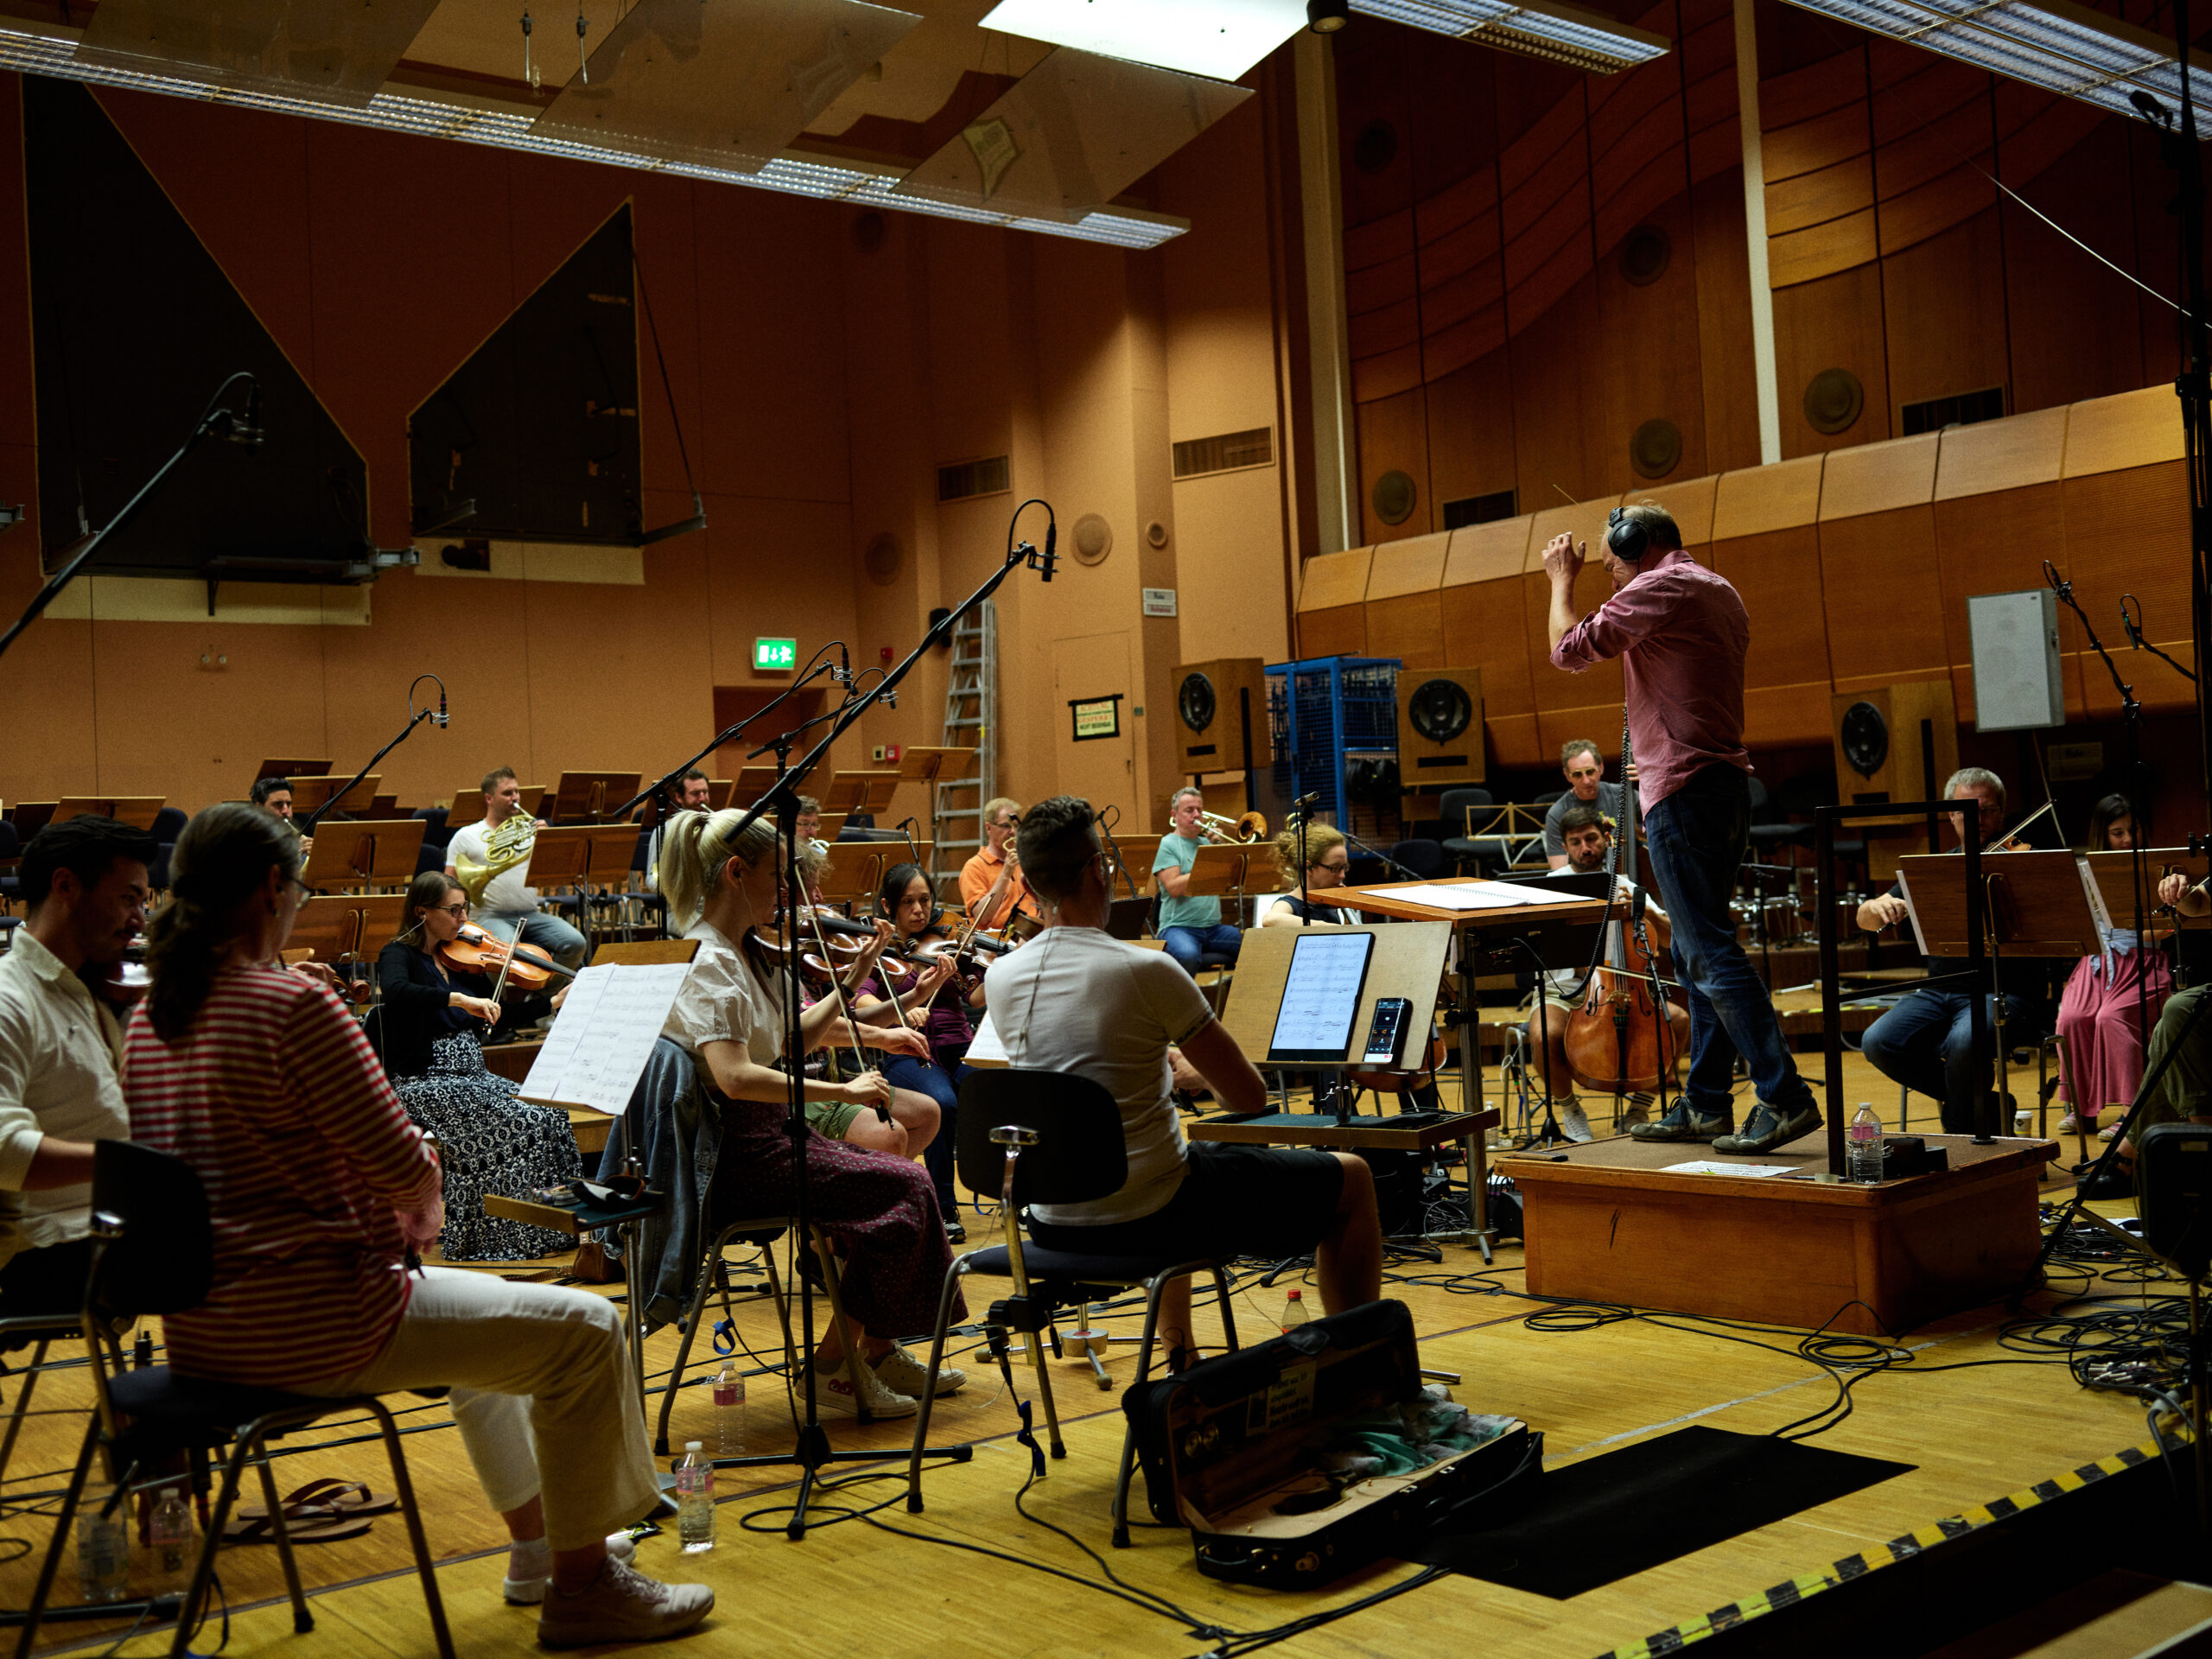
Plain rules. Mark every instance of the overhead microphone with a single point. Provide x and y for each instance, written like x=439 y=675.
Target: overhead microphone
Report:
x=443 y=718
x=2127 y=621
x=843 y=673
x=1052 y=536
x=245 y=430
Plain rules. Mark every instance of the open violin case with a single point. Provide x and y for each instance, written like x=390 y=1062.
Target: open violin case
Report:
x=1235 y=1449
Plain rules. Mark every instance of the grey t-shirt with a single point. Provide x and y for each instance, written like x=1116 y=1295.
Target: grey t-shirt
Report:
x=1609 y=803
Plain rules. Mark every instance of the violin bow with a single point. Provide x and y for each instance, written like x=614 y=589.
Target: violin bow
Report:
x=837 y=989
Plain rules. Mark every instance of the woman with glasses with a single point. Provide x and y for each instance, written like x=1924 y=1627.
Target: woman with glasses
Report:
x=1327 y=858
x=434 y=1019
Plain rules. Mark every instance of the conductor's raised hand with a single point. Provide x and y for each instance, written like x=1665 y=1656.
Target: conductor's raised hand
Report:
x=1563 y=557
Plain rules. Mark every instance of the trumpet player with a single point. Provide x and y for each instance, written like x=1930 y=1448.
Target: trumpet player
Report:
x=490 y=860
x=1188 y=925
x=989 y=878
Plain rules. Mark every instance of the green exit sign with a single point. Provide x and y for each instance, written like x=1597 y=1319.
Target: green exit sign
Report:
x=775 y=653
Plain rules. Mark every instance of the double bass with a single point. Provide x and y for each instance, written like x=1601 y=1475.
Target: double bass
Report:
x=1619 y=1042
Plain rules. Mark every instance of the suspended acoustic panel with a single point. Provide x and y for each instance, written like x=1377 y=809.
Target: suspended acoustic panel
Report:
x=535 y=437
x=341 y=50
x=134 y=326
x=1072 y=135
x=720 y=83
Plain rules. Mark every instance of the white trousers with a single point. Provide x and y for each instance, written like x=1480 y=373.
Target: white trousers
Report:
x=531 y=1366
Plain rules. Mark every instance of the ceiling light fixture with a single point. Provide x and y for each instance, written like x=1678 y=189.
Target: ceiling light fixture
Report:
x=1327 y=16
x=2054 y=44
x=53 y=55
x=1220 y=39
x=1562 y=33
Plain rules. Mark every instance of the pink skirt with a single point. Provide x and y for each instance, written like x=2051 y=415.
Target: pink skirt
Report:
x=2097 y=1019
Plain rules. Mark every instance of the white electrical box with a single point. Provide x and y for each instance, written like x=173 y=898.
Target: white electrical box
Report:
x=2017 y=683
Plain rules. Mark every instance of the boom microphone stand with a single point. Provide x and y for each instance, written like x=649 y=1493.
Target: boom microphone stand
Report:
x=414 y=718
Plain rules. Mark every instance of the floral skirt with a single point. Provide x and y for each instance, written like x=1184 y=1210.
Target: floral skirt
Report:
x=488 y=1141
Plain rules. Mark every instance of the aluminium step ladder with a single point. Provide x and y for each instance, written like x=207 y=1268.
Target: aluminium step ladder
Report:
x=971 y=708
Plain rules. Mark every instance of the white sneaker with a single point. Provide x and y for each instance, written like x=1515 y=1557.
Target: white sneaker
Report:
x=1574 y=1122
x=529 y=1590
x=901 y=1373
x=622 y=1604
x=833 y=1391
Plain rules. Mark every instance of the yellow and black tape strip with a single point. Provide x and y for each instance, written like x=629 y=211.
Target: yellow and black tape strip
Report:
x=1872 y=1560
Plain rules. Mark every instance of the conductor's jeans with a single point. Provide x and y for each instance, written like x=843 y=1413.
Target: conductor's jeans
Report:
x=1697 y=837
x=529 y=1366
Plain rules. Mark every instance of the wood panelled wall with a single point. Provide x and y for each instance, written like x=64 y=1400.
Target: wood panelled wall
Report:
x=1499 y=340
x=1855 y=567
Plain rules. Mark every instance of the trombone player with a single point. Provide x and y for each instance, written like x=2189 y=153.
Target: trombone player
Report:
x=1188 y=925
x=490 y=860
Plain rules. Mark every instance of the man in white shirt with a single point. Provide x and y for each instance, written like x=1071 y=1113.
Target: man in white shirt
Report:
x=85 y=886
x=1077 y=1000
x=509 y=904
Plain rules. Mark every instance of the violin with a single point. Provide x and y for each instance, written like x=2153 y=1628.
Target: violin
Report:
x=769 y=943
x=475 y=952
x=1620 y=1040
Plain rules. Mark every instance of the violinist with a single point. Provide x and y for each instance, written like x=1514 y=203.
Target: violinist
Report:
x=2112 y=998
x=433 y=1019
x=991 y=888
x=84 y=884
x=1925 y=1042
x=1587 y=837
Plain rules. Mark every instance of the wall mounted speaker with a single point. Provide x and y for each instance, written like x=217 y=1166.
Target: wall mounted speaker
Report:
x=1392 y=498
x=1439 y=727
x=1213 y=701
x=1655 y=449
x=1878 y=742
x=2016 y=684
x=1833 y=401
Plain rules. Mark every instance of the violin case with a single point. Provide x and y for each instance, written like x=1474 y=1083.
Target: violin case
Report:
x=1224 y=1449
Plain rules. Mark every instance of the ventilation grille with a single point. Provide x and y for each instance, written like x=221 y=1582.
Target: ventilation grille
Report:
x=990 y=476
x=1987 y=404
x=1226 y=453
x=1479 y=509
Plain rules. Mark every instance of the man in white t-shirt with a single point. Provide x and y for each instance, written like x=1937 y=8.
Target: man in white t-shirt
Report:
x=1077 y=1000
x=509 y=904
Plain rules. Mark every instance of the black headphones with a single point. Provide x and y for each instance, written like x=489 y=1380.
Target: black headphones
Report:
x=1626 y=539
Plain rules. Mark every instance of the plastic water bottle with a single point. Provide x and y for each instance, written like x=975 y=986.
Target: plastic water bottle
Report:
x=1293 y=1312
x=102 y=1545
x=1864 y=1150
x=729 y=1410
x=695 y=1499
x=172 y=1534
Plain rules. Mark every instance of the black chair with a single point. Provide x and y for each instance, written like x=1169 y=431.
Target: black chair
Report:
x=169 y=824
x=1424 y=858
x=11 y=849
x=1049 y=1137
x=152 y=1252
x=1771 y=829
x=1469 y=854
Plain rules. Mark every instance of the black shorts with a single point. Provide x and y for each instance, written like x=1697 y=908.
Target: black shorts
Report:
x=1235 y=1200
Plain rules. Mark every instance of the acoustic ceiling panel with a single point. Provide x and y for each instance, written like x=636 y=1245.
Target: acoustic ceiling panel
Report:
x=725 y=83
x=341 y=50
x=1072 y=135
x=1222 y=38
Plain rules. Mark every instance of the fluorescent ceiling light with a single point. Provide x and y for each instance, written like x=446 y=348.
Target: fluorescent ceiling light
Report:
x=788 y=175
x=2054 y=44
x=1220 y=38
x=1540 y=30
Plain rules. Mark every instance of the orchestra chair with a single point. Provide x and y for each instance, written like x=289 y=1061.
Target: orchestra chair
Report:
x=152 y=1252
x=1050 y=1137
x=1471 y=854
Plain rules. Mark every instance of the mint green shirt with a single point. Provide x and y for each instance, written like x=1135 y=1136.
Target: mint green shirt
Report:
x=1180 y=852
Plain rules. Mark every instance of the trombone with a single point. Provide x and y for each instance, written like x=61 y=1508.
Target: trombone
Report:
x=1233 y=832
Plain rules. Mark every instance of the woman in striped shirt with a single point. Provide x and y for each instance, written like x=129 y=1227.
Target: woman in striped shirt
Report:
x=319 y=1188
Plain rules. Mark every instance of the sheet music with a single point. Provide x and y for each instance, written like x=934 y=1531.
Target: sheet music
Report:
x=1491 y=895
x=603 y=1036
x=1912 y=911
x=1320 y=996
x=984 y=1048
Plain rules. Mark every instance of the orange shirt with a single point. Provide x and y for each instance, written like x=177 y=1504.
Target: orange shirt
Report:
x=976 y=878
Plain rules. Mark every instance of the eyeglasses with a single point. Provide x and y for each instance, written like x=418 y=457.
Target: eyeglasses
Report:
x=1337 y=868
x=457 y=912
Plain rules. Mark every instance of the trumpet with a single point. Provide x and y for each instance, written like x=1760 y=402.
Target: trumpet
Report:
x=1233 y=832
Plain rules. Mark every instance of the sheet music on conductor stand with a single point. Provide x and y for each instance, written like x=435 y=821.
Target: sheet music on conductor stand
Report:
x=603 y=1036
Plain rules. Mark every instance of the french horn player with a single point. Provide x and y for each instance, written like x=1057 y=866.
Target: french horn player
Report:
x=490 y=860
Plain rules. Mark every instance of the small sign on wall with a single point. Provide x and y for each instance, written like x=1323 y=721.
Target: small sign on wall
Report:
x=1159 y=601
x=770 y=656
x=1096 y=717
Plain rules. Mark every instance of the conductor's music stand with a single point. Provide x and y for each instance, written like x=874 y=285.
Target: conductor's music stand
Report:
x=369 y=852
x=584 y=797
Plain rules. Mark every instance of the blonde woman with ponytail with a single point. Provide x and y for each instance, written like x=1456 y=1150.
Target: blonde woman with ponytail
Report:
x=320 y=1190
x=881 y=1211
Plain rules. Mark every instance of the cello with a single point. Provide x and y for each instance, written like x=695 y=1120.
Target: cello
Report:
x=1619 y=1042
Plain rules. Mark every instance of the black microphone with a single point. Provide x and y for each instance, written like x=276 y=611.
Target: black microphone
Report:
x=1052 y=536
x=1305 y=801
x=245 y=430
x=2127 y=621
x=443 y=718
x=843 y=673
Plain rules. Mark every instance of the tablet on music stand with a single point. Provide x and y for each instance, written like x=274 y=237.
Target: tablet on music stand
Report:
x=1320 y=999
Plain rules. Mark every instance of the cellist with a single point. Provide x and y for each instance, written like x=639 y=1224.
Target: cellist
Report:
x=1588 y=835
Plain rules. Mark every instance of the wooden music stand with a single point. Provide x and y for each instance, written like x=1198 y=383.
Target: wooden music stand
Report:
x=380 y=852
x=718 y=793
x=754 y=782
x=138 y=811
x=1408 y=962
x=467 y=805
x=559 y=856
x=352 y=927
x=2040 y=904
x=308 y=794
x=291 y=768
x=832 y=824
x=1220 y=872
x=855 y=869
x=585 y=797
x=2115 y=877
x=1136 y=854
x=31 y=816
x=919 y=765
x=384 y=806
x=859 y=792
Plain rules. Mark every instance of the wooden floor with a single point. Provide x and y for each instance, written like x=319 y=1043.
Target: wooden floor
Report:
x=851 y=1589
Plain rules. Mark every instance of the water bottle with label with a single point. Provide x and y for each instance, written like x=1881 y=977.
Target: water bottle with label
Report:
x=171 y=1536
x=102 y=1545
x=1863 y=1145
x=695 y=1499
x=729 y=1410
x=1293 y=1312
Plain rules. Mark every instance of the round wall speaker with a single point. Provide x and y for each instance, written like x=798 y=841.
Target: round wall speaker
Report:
x=1645 y=255
x=868 y=231
x=1866 y=738
x=1393 y=496
x=1439 y=709
x=881 y=561
x=1155 y=533
x=1655 y=449
x=1093 y=537
x=1376 y=148
x=1833 y=401
x=1194 y=702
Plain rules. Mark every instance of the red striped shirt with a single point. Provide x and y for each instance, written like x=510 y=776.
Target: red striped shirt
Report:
x=275 y=1098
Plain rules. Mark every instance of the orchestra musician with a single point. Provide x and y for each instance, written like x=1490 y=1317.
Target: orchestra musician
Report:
x=1925 y=1042
x=1681 y=633
x=508 y=906
x=2111 y=997
x=1189 y=925
x=1328 y=856
x=319 y=1189
x=1077 y=1000
x=85 y=888
x=1584 y=772
x=729 y=1015
x=2183 y=1093
x=273 y=794
x=992 y=890
x=692 y=793
x=432 y=1019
